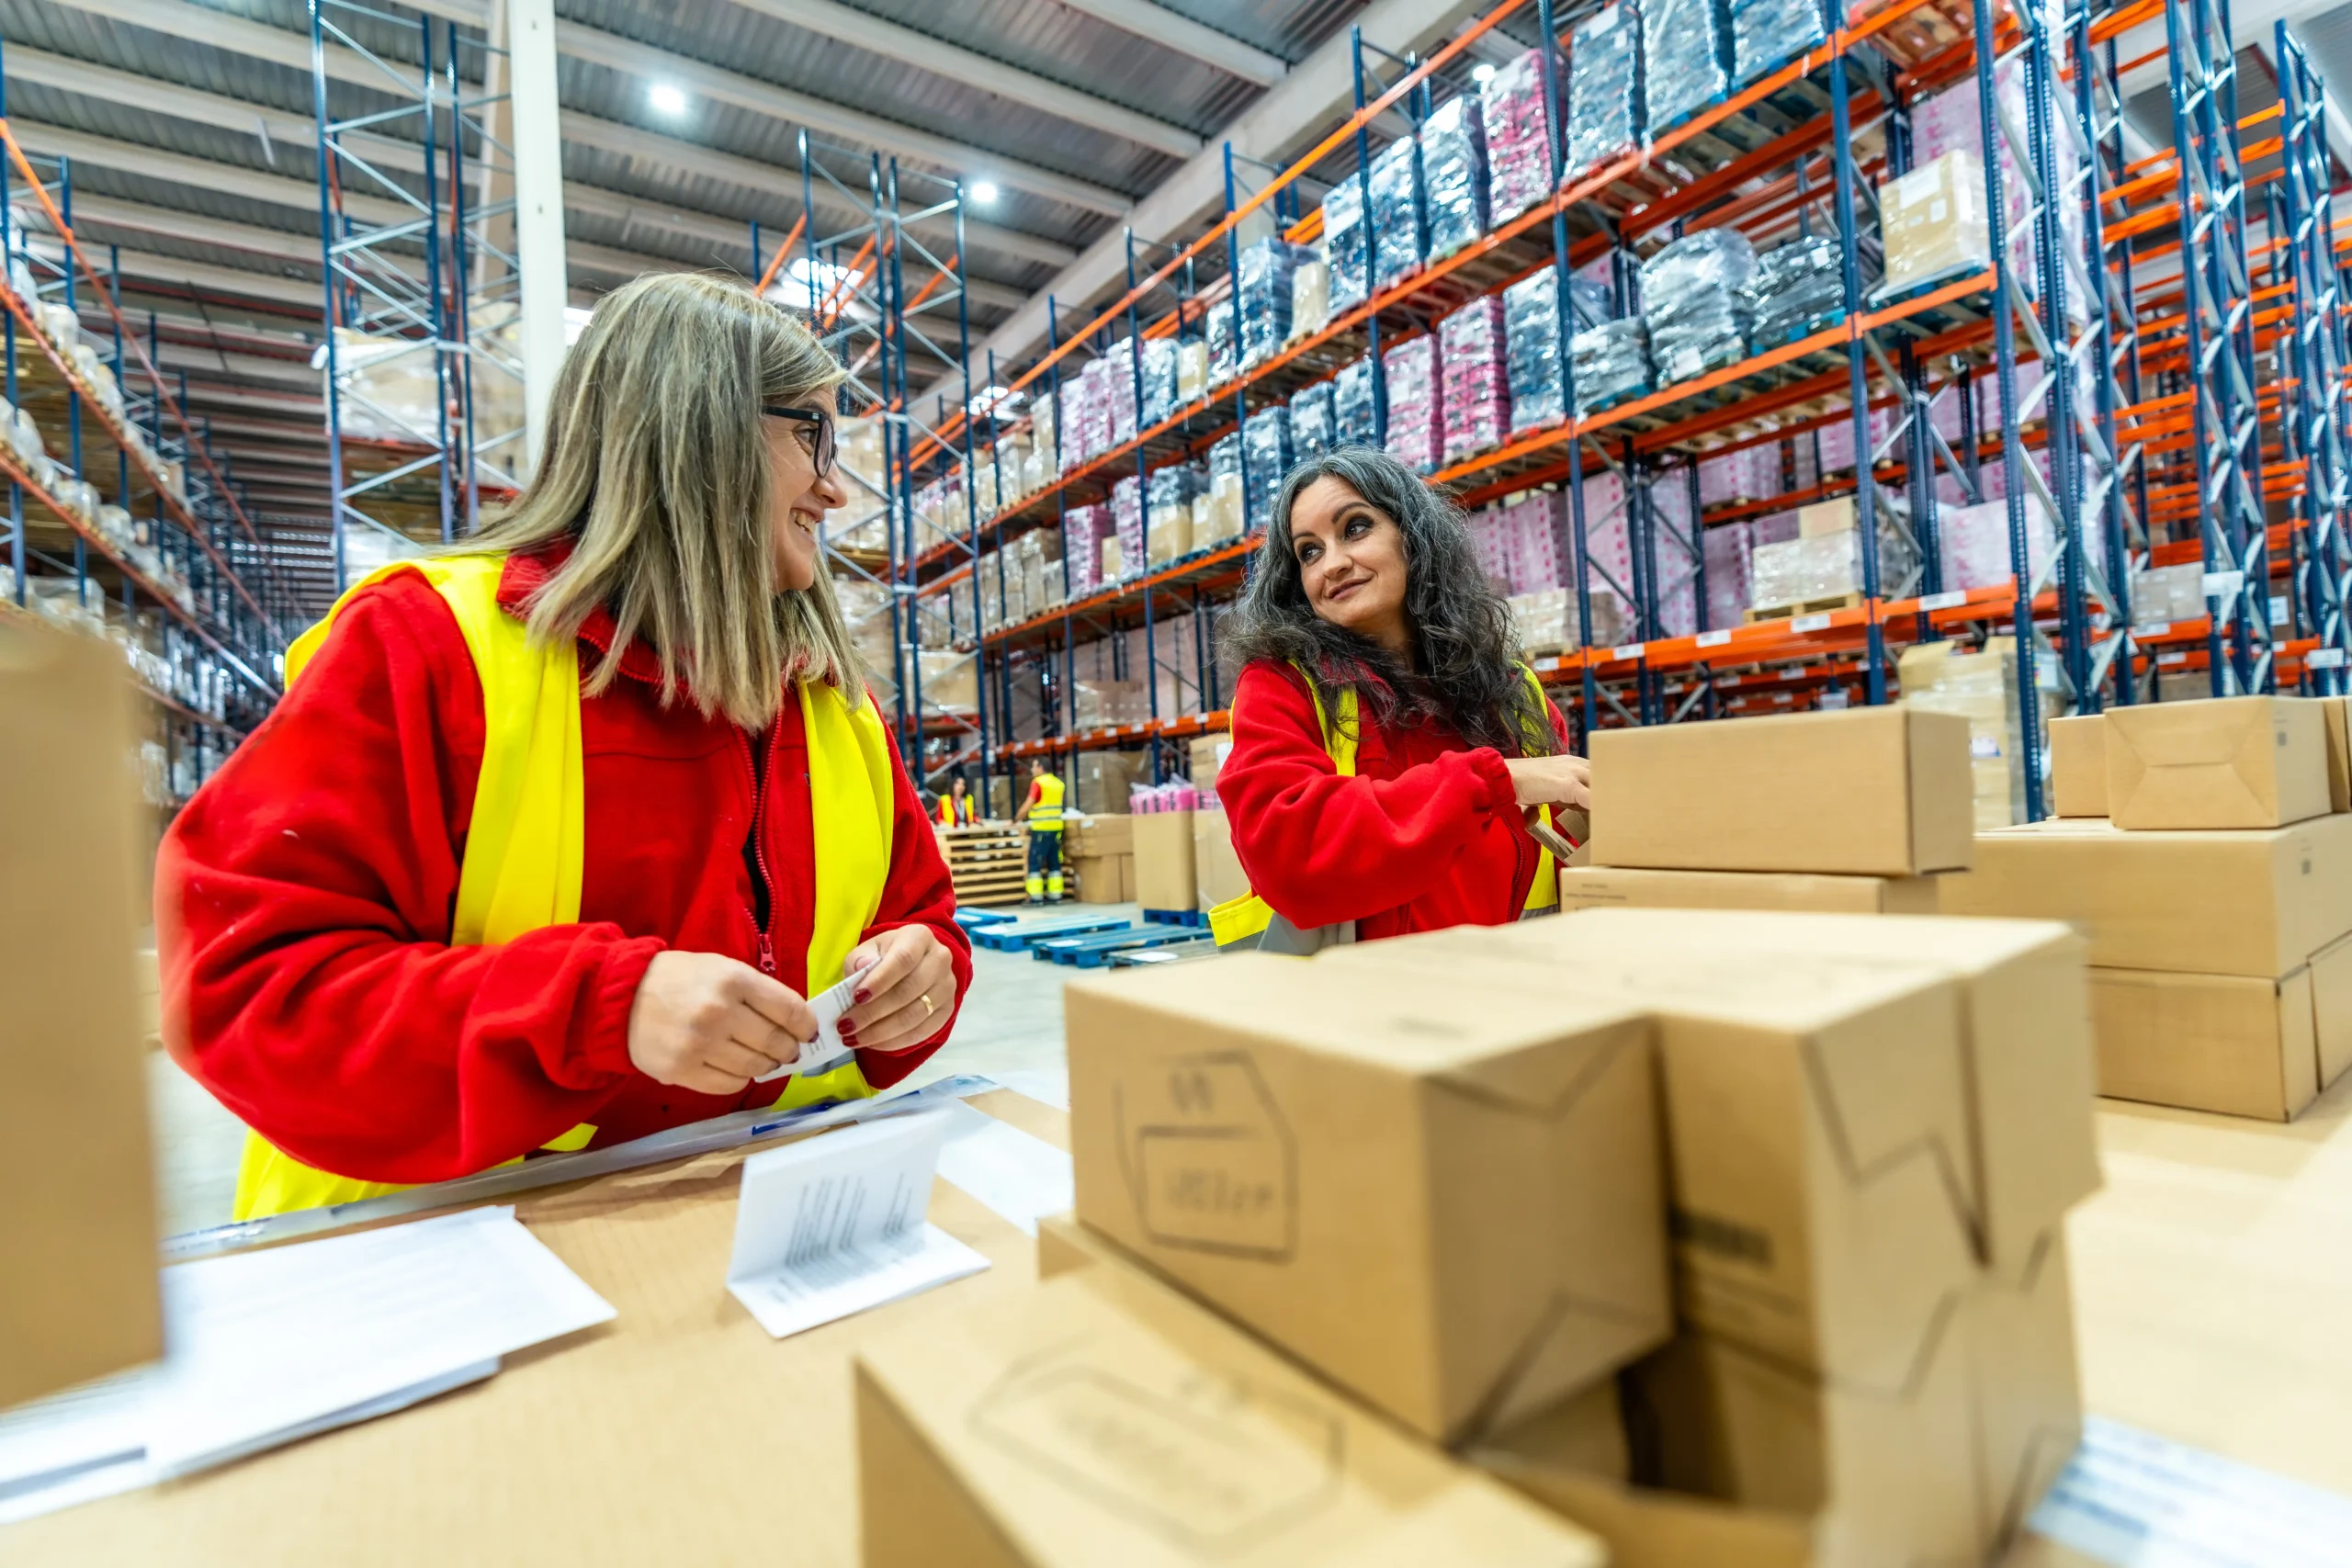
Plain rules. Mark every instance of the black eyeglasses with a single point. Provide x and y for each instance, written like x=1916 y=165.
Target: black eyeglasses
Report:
x=822 y=454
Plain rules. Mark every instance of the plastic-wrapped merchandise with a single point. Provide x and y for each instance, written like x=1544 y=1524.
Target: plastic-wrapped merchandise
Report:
x=1220 y=515
x=1454 y=172
x=1686 y=59
x=1083 y=530
x=1399 y=213
x=1169 y=495
x=1952 y=121
x=1121 y=388
x=1416 y=402
x=1934 y=224
x=1605 y=109
x=1729 y=549
x=1792 y=572
x=1764 y=33
x=1799 y=288
x=1044 y=450
x=1516 y=115
x=1836 y=446
x=1269 y=269
x=1611 y=363
x=1310 y=422
x=1310 y=296
x=1477 y=378
x=1354 y=418
x=1266 y=451
x=1976 y=547
x=1538 y=548
x=1532 y=348
x=1192 y=371
x=1126 y=521
x=1677 y=565
x=1695 y=303
x=1344 y=243
x=1748 y=473
x=1225 y=354
x=1160 y=395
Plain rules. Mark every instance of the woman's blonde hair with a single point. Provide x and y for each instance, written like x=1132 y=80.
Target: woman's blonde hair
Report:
x=657 y=464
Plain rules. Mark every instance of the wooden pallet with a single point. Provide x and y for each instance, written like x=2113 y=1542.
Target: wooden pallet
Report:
x=1804 y=607
x=987 y=862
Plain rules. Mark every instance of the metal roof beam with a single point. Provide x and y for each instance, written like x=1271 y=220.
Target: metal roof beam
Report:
x=1172 y=29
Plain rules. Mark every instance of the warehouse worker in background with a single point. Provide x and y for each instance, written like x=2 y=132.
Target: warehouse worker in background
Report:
x=956 y=807
x=1388 y=745
x=1042 y=812
x=553 y=833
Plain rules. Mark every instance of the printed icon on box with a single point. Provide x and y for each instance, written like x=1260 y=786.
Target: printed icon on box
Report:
x=1209 y=1160
x=1211 y=1461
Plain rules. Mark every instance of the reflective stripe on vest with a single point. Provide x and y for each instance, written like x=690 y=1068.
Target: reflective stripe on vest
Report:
x=528 y=840
x=1249 y=921
x=1045 y=815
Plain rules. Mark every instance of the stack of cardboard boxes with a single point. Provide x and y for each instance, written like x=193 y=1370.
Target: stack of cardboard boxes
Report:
x=2205 y=852
x=1098 y=854
x=1753 y=1260
x=1857 y=811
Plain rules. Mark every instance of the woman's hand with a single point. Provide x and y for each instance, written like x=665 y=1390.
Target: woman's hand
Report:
x=709 y=1023
x=904 y=992
x=1551 y=780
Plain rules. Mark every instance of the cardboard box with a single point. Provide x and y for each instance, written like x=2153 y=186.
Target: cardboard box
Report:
x=78 y=1298
x=2078 y=765
x=2026 y=1384
x=1817 y=1134
x=1164 y=875
x=1103 y=1418
x=2252 y=902
x=1291 y=1145
x=1103 y=879
x=1127 y=894
x=1609 y=886
x=1826 y=518
x=1209 y=754
x=1098 y=833
x=2223 y=762
x=1099 y=780
x=1867 y=792
x=2226 y=1043
x=1217 y=869
x=2339 y=752
x=1935 y=224
x=2331 y=1006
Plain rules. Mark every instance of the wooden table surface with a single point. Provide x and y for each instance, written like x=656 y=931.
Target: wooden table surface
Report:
x=2213 y=1291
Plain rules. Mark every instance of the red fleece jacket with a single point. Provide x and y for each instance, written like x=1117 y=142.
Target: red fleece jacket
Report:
x=1426 y=835
x=304 y=900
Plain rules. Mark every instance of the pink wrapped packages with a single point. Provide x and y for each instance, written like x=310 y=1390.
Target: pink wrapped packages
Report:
x=1416 y=411
x=1751 y=473
x=1730 y=547
x=1518 y=138
x=1477 y=377
x=1838 y=440
x=1492 y=539
x=1127 y=516
x=1977 y=542
x=1083 y=530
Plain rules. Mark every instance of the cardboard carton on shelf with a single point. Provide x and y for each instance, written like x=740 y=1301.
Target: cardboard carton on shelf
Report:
x=1165 y=877
x=1826 y=518
x=1291 y=1143
x=2257 y=902
x=2223 y=762
x=1983 y=688
x=1098 y=833
x=1609 y=886
x=1103 y=1418
x=2078 y=765
x=2337 y=711
x=2230 y=1043
x=1216 y=870
x=1867 y=791
x=1209 y=754
x=79 y=1297
x=1818 y=1140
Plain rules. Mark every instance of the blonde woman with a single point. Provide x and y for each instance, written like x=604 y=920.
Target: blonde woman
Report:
x=553 y=836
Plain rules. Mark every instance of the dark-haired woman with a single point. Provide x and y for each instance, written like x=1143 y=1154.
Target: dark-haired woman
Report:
x=1387 y=743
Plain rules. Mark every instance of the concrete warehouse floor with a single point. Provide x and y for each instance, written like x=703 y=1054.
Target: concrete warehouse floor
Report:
x=1011 y=1031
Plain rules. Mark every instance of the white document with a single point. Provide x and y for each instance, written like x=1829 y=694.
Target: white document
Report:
x=1020 y=1177
x=833 y=1225
x=824 y=1052
x=267 y=1348
x=2140 y=1501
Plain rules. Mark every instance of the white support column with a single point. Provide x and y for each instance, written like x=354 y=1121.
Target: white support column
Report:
x=536 y=123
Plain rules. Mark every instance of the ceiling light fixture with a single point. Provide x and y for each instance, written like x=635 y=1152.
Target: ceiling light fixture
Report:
x=983 y=193
x=667 y=99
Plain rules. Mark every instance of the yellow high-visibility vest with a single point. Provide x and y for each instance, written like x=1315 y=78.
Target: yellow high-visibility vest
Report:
x=1247 y=919
x=1045 y=816
x=527 y=842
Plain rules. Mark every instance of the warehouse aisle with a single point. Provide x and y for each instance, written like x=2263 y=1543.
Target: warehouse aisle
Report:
x=1011 y=1031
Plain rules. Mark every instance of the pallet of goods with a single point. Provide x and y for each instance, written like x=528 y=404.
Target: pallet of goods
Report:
x=987 y=862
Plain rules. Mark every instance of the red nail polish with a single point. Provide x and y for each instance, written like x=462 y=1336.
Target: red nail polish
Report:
x=861 y=996
x=848 y=1029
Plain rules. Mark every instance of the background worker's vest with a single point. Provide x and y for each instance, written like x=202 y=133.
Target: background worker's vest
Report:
x=1249 y=921
x=527 y=840
x=1045 y=817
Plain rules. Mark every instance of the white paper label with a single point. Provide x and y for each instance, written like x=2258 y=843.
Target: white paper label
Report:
x=2179 y=656
x=1952 y=601
x=2278 y=609
x=1549 y=662
x=1713 y=639
x=2224 y=584
x=2324 y=659
x=1986 y=747
x=2147 y=630
x=1782 y=697
x=1626 y=650
x=1809 y=624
